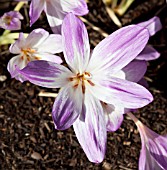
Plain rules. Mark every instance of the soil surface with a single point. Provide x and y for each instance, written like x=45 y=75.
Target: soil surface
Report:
x=28 y=140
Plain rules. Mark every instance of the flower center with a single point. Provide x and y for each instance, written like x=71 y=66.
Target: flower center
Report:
x=7 y=20
x=28 y=54
x=81 y=79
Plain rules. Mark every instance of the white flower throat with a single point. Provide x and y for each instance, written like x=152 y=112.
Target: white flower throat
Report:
x=28 y=55
x=81 y=79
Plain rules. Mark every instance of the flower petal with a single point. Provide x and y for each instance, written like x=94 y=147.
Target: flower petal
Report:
x=77 y=7
x=153 y=25
x=56 y=11
x=76 y=43
x=36 y=7
x=55 y=15
x=36 y=37
x=149 y=53
x=146 y=162
x=116 y=91
x=153 y=154
x=118 y=49
x=15 y=24
x=67 y=107
x=16 y=47
x=52 y=44
x=48 y=57
x=13 y=62
x=46 y=74
x=135 y=70
x=114 y=116
x=91 y=133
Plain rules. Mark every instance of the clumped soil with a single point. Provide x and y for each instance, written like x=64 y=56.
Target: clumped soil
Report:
x=28 y=140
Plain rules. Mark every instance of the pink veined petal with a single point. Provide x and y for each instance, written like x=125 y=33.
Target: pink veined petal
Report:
x=116 y=91
x=52 y=44
x=91 y=133
x=13 y=62
x=77 y=7
x=36 y=37
x=16 y=47
x=67 y=107
x=149 y=53
x=153 y=25
x=135 y=70
x=113 y=116
x=36 y=8
x=48 y=57
x=46 y=74
x=118 y=49
x=76 y=43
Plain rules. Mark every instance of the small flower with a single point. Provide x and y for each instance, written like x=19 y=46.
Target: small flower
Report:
x=39 y=45
x=11 y=20
x=91 y=81
x=153 y=155
x=56 y=10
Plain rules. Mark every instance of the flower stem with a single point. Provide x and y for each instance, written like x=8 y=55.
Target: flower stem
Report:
x=122 y=8
x=133 y=117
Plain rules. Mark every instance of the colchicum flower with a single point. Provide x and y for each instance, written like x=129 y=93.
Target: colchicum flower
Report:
x=153 y=155
x=39 y=45
x=56 y=10
x=11 y=20
x=91 y=82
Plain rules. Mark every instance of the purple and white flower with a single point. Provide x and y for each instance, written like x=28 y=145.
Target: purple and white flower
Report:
x=56 y=10
x=11 y=20
x=39 y=45
x=91 y=81
x=153 y=155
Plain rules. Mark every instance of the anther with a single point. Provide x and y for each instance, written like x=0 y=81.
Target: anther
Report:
x=91 y=83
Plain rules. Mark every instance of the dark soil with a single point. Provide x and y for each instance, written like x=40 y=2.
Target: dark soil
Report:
x=28 y=140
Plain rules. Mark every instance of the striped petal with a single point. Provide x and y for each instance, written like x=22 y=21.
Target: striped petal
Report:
x=153 y=25
x=46 y=74
x=91 y=133
x=67 y=107
x=153 y=154
x=36 y=8
x=115 y=90
x=117 y=50
x=76 y=43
